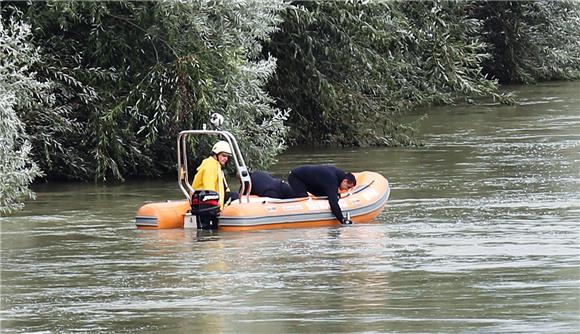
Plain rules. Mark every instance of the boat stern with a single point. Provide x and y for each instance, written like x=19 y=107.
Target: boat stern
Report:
x=161 y=215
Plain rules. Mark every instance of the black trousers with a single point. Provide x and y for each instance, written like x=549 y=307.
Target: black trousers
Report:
x=297 y=185
x=231 y=196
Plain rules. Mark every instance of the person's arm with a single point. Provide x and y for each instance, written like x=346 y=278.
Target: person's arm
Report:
x=211 y=177
x=334 y=207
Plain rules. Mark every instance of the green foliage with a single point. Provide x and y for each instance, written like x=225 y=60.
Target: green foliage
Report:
x=531 y=40
x=132 y=75
x=445 y=53
x=126 y=77
x=19 y=88
x=348 y=70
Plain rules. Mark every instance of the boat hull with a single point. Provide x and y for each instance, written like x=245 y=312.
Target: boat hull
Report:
x=162 y=215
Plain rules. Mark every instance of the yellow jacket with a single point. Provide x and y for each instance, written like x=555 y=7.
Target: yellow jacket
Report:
x=210 y=177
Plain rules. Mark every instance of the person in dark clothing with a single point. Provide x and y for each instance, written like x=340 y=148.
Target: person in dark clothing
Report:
x=322 y=180
x=265 y=185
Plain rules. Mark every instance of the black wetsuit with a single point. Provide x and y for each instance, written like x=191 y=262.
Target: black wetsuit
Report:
x=264 y=184
x=319 y=180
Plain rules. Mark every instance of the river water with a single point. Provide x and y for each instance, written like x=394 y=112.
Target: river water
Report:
x=481 y=235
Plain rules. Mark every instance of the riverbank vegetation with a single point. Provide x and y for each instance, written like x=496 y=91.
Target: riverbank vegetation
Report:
x=100 y=90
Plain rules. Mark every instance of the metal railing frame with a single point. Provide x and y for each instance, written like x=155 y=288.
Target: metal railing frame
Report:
x=183 y=173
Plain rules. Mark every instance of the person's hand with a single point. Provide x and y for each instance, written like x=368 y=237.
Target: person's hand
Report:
x=346 y=221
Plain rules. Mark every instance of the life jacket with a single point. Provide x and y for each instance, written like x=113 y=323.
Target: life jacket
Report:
x=210 y=176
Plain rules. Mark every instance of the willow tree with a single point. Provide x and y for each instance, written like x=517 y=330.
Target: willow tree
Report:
x=531 y=40
x=131 y=75
x=19 y=88
x=348 y=69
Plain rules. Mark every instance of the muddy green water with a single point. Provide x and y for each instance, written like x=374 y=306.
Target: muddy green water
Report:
x=481 y=235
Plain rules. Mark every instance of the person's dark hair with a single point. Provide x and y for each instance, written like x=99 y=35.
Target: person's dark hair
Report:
x=350 y=177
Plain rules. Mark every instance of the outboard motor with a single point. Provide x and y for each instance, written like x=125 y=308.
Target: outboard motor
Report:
x=205 y=206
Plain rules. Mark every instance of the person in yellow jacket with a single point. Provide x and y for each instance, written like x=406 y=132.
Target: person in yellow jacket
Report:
x=210 y=174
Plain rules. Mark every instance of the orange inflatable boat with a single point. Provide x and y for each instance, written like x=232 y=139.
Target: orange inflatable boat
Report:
x=362 y=203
